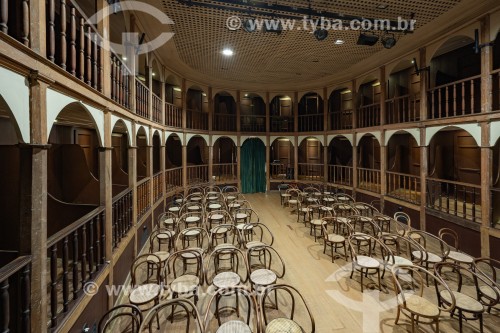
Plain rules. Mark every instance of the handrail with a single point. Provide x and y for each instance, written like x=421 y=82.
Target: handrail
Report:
x=144 y=180
x=369 y=105
x=73 y=226
x=13 y=267
x=455 y=82
x=395 y=98
x=121 y=194
x=453 y=182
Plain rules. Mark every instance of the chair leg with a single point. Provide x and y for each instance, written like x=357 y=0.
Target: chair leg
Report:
x=397 y=316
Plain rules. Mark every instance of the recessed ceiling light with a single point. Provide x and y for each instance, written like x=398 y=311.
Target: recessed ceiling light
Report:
x=153 y=74
x=227 y=52
x=124 y=58
x=383 y=6
x=339 y=42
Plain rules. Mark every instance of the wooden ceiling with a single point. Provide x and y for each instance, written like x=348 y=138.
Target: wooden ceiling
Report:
x=291 y=59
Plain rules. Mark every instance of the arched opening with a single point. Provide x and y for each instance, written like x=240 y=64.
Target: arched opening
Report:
x=72 y=168
x=368 y=96
x=311 y=113
x=282 y=159
x=403 y=94
x=281 y=113
x=253 y=166
x=142 y=159
x=311 y=162
x=173 y=105
x=369 y=163
x=12 y=171
x=173 y=162
x=253 y=113
x=197 y=160
x=455 y=79
x=454 y=174
x=340 y=106
x=496 y=74
x=156 y=153
x=197 y=109
x=119 y=158
x=340 y=161
x=495 y=187
x=224 y=160
x=403 y=168
x=224 y=112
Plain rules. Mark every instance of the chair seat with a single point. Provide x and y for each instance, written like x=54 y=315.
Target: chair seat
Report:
x=460 y=257
x=192 y=219
x=163 y=255
x=188 y=255
x=398 y=261
x=216 y=217
x=224 y=246
x=280 y=325
x=367 y=262
x=318 y=222
x=241 y=216
x=184 y=284
x=431 y=257
x=166 y=235
x=334 y=238
x=234 y=326
x=292 y=201
x=263 y=277
x=488 y=291
x=144 y=294
x=463 y=301
x=253 y=244
x=220 y=230
x=226 y=280
x=419 y=305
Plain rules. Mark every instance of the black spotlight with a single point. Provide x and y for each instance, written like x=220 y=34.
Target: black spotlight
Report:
x=275 y=27
x=388 y=41
x=249 y=25
x=367 y=39
x=321 y=34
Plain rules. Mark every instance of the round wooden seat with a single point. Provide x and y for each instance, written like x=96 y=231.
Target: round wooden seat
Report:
x=214 y=206
x=144 y=294
x=317 y=222
x=263 y=277
x=281 y=325
x=253 y=244
x=368 y=262
x=335 y=238
x=419 y=306
x=234 y=326
x=174 y=209
x=431 y=257
x=184 y=284
x=398 y=260
x=216 y=217
x=463 y=301
x=226 y=280
x=460 y=257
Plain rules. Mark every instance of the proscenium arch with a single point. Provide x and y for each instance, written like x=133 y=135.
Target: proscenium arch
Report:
x=15 y=92
x=375 y=134
x=57 y=102
x=128 y=125
x=474 y=131
x=414 y=132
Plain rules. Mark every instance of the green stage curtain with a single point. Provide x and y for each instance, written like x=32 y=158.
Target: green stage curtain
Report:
x=253 y=166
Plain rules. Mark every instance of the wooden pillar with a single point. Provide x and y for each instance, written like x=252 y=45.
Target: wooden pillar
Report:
x=131 y=63
x=383 y=95
x=210 y=110
x=211 y=161
x=354 y=163
x=34 y=201
x=162 y=163
x=238 y=156
x=296 y=114
x=325 y=159
x=296 y=158
x=132 y=181
x=424 y=165
x=268 y=158
x=383 y=168
x=103 y=29
x=325 y=109
x=268 y=114
x=486 y=167
x=238 y=112
x=486 y=66
x=149 y=83
x=354 y=97
x=424 y=85
x=38 y=27
x=184 y=163
x=184 y=103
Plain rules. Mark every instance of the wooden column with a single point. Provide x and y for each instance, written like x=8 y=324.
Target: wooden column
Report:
x=424 y=85
x=486 y=167
x=211 y=161
x=325 y=159
x=383 y=168
x=104 y=30
x=184 y=163
x=268 y=158
x=238 y=111
x=296 y=158
x=296 y=114
x=132 y=181
x=184 y=104
x=325 y=109
x=486 y=66
x=383 y=95
x=423 y=177
x=325 y=136
x=163 y=94
x=38 y=27
x=210 y=110
x=106 y=182
x=34 y=201
x=354 y=164
x=149 y=83
x=131 y=63
x=238 y=156
x=354 y=93
x=268 y=113
x=163 y=139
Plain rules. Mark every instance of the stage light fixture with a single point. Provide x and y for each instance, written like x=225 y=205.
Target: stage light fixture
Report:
x=388 y=41
x=321 y=34
x=367 y=39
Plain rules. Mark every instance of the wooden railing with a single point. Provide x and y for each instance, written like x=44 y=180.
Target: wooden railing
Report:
x=225 y=171
x=369 y=179
x=340 y=119
x=311 y=171
x=173 y=178
x=224 y=122
x=158 y=186
x=454 y=198
x=72 y=43
x=197 y=174
x=311 y=122
x=157 y=109
x=495 y=207
x=369 y=115
x=340 y=174
x=122 y=215
x=173 y=115
x=75 y=256
x=143 y=197
x=402 y=109
x=282 y=123
x=280 y=171
x=15 y=20
x=120 y=74
x=141 y=99
x=196 y=120
x=455 y=99
x=253 y=123
x=15 y=296
x=403 y=186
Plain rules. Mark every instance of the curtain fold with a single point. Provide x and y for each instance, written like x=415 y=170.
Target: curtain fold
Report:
x=253 y=166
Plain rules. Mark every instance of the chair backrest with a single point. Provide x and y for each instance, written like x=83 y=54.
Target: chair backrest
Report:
x=343 y=198
x=344 y=210
x=257 y=231
x=167 y=220
x=217 y=217
x=141 y=268
x=363 y=224
x=370 y=245
x=365 y=209
x=191 y=219
x=230 y=189
x=124 y=317
x=265 y=257
x=246 y=301
x=159 y=237
x=488 y=267
x=228 y=259
x=403 y=218
x=431 y=243
x=193 y=237
x=450 y=235
x=404 y=247
x=338 y=226
x=186 y=313
x=229 y=234
x=293 y=306
x=185 y=262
